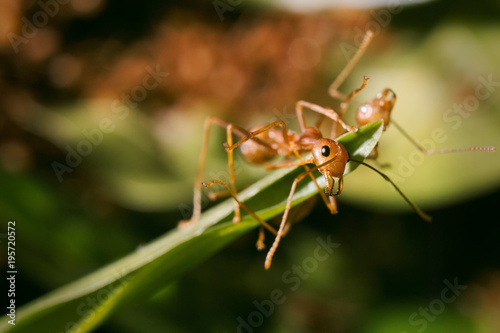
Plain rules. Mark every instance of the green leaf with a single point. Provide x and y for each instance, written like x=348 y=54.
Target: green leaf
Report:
x=82 y=305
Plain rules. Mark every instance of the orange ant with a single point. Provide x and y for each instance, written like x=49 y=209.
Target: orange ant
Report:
x=260 y=145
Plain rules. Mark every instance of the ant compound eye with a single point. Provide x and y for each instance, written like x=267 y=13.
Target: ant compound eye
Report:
x=325 y=151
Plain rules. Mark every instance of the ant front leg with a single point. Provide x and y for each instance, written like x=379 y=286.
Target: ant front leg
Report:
x=283 y=225
x=330 y=158
x=281 y=230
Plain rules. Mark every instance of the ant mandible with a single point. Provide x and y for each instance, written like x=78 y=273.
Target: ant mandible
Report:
x=329 y=157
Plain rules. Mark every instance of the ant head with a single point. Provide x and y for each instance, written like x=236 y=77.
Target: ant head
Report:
x=331 y=158
x=379 y=108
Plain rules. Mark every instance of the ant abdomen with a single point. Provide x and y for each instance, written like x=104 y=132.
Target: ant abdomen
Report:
x=261 y=149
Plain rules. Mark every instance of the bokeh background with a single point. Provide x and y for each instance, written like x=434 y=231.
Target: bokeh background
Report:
x=139 y=78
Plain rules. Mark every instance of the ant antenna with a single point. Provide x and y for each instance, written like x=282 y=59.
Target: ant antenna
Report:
x=439 y=151
x=420 y=213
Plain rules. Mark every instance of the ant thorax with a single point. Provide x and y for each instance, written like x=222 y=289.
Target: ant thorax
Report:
x=306 y=140
x=269 y=144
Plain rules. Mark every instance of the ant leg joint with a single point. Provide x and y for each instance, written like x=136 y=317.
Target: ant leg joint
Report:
x=351 y=128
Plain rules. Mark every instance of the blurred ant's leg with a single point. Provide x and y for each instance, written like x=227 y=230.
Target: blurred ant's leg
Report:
x=232 y=176
x=336 y=129
x=333 y=205
x=199 y=173
x=197 y=195
x=230 y=146
x=333 y=89
x=299 y=107
x=242 y=133
x=282 y=228
x=260 y=240
x=274 y=247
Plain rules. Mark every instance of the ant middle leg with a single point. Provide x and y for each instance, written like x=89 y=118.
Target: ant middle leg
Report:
x=283 y=228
